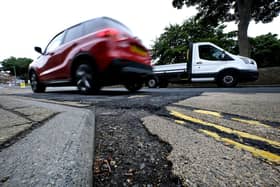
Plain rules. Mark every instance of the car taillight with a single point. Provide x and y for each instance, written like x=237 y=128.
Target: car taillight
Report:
x=108 y=33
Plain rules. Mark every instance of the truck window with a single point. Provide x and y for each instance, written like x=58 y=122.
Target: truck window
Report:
x=208 y=52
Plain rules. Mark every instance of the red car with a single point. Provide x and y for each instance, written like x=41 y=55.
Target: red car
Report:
x=92 y=54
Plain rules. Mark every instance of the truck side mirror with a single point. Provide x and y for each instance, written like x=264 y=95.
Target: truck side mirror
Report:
x=223 y=55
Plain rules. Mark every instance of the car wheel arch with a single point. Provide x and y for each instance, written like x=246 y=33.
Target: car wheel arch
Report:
x=220 y=74
x=82 y=58
x=232 y=70
x=30 y=71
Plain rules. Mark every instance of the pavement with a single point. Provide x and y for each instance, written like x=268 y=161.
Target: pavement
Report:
x=204 y=152
x=45 y=144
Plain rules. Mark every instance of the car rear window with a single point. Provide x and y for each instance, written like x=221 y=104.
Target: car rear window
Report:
x=73 y=33
x=103 y=23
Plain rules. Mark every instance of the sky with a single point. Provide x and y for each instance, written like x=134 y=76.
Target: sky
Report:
x=28 y=23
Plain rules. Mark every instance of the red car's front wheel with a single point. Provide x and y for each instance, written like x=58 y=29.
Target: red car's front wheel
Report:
x=36 y=86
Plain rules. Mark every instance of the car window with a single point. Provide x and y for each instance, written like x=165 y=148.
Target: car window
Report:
x=102 y=23
x=74 y=33
x=94 y=25
x=55 y=42
x=208 y=52
x=118 y=25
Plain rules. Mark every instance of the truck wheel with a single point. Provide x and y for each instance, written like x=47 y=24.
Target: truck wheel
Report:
x=85 y=79
x=152 y=82
x=36 y=86
x=163 y=84
x=228 y=79
x=133 y=87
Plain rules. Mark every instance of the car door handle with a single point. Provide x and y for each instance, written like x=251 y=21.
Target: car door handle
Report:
x=199 y=63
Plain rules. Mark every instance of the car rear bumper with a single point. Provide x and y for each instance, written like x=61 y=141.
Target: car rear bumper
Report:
x=121 y=71
x=125 y=67
x=246 y=75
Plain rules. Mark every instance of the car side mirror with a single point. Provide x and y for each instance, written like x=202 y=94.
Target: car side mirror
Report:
x=223 y=55
x=38 y=49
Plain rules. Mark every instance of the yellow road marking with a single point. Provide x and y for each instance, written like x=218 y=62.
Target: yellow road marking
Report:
x=256 y=152
x=212 y=113
x=224 y=129
x=180 y=122
x=251 y=122
x=219 y=115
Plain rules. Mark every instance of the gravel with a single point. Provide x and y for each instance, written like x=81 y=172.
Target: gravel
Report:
x=126 y=154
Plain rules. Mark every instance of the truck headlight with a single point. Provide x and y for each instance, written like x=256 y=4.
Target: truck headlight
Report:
x=251 y=61
x=245 y=60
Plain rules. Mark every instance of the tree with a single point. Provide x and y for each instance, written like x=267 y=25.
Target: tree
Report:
x=172 y=45
x=17 y=65
x=265 y=50
x=240 y=11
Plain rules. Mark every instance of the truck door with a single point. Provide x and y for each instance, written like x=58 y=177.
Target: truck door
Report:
x=189 y=61
x=209 y=60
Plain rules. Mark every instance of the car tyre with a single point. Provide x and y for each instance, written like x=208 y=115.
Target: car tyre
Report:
x=228 y=79
x=152 y=82
x=85 y=81
x=134 y=87
x=36 y=86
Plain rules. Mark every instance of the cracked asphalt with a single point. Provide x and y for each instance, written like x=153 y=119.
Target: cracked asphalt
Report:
x=138 y=142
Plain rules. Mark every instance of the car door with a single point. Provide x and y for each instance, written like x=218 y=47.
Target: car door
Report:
x=210 y=60
x=51 y=58
x=57 y=51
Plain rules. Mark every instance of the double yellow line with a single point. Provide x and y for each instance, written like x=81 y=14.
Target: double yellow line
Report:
x=271 y=157
x=219 y=115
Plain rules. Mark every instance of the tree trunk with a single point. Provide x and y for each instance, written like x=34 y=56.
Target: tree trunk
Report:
x=244 y=11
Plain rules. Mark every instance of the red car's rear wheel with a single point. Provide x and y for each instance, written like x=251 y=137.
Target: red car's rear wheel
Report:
x=85 y=79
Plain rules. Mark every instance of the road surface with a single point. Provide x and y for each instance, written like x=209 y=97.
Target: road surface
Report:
x=182 y=136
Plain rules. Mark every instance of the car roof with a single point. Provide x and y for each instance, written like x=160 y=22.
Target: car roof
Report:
x=98 y=18
x=103 y=17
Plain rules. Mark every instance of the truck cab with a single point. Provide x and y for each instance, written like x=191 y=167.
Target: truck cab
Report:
x=206 y=63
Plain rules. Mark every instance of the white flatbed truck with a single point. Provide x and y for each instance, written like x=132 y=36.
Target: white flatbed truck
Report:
x=207 y=63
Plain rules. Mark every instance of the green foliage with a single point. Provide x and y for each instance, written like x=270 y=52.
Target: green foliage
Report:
x=266 y=50
x=227 y=10
x=20 y=65
x=240 y=11
x=172 y=45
